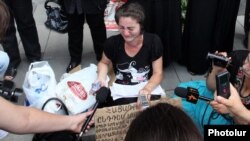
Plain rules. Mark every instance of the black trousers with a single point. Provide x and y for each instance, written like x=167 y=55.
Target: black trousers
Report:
x=209 y=27
x=21 y=13
x=246 y=18
x=163 y=19
x=75 y=34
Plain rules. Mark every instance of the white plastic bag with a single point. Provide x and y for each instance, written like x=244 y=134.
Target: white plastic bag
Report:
x=74 y=89
x=39 y=84
x=3 y=134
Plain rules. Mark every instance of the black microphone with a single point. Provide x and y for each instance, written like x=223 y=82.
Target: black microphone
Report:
x=101 y=97
x=191 y=94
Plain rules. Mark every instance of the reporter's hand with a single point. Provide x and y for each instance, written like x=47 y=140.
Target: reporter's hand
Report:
x=218 y=68
x=239 y=112
x=233 y=103
x=220 y=108
x=77 y=121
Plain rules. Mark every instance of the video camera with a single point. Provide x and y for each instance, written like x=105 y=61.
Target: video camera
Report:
x=218 y=60
x=9 y=91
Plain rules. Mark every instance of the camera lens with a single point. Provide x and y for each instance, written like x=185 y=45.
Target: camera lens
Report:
x=18 y=92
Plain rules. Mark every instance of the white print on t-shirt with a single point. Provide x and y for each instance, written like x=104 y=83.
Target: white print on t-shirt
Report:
x=128 y=74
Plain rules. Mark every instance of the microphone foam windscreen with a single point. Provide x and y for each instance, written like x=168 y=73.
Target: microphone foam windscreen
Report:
x=181 y=92
x=102 y=94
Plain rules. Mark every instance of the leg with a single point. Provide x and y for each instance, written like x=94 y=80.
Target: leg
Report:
x=23 y=14
x=75 y=39
x=10 y=45
x=98 y=32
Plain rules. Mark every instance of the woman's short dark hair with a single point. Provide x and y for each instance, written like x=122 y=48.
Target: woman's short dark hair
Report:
x=163 y=122
x=4 y=18
x=133 y=10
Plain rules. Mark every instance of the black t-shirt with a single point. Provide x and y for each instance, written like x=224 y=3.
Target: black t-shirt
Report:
x=133 y=70
x=236 y=74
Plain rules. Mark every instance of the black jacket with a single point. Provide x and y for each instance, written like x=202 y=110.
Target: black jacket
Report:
x=85 y=6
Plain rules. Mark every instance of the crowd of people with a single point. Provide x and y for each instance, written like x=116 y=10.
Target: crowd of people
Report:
x=220 y=110
x=23 y=120
x=137 y=59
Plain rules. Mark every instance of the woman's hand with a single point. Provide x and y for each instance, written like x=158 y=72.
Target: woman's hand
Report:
x=234 y=104
x=146 y=93
x=220 y=108
x=219 y=68
x=142 y=102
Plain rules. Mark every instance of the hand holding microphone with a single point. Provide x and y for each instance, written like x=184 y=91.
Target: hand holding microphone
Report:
x=191 y=94
x=101 y=97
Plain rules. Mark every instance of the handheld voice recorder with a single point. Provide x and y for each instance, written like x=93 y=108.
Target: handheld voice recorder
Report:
x=223 y=84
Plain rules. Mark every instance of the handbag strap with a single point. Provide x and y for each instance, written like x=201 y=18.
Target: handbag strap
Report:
x=60 y=101
x=46 y=6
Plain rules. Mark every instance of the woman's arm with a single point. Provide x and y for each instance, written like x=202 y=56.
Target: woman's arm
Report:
x=156 y=77
x=20 y=119
x=211 y=80
x=103 y=68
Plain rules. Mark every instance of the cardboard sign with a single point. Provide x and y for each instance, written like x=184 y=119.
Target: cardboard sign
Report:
x=112 y=123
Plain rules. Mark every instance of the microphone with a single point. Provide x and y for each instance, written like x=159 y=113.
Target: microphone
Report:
x=101 y=97
x=191 y=94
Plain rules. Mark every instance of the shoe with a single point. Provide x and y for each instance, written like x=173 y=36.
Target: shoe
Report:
x=11 y=71
x=72 y=65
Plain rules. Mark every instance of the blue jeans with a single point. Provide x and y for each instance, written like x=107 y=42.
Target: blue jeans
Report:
x=4 y=62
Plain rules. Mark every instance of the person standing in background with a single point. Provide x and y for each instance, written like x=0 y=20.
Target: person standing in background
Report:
x=77 y=11
x=163 y=17
x=247 y=24
x=21 y=14
x=209 y=27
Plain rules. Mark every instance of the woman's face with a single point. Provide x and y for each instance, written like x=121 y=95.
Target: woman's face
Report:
x=246 y=66
x=129 y=28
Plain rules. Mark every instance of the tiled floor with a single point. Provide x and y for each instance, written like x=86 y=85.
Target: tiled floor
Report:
x=54 y=48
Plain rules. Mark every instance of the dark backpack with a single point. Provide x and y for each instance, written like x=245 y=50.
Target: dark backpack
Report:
x=59 y=135
x=56 y=17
